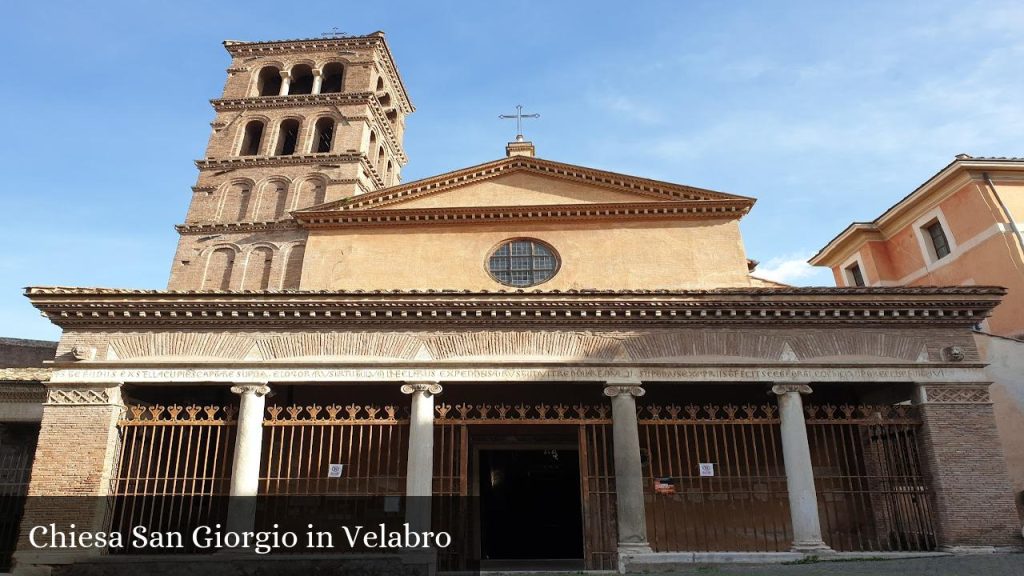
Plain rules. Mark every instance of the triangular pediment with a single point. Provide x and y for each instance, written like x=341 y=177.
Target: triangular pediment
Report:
x=524 y=181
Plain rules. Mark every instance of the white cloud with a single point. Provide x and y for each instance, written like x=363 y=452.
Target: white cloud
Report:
x=627 y=107
x=794 y=269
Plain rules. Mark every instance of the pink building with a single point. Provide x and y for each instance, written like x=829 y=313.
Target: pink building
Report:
x=962 y=227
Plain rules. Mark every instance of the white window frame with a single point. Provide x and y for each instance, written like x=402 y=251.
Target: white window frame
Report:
x=924 y=240
x=844 y=271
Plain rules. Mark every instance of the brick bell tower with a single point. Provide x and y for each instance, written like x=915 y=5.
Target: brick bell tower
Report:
x=300 y=123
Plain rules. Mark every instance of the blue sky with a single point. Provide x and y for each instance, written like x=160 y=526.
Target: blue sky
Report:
x=826 y=112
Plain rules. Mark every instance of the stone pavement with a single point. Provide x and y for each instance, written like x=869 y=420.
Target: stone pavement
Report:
x=980 y=565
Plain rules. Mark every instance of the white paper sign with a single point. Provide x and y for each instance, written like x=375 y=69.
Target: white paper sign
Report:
x=707 y=469
x=334 y=470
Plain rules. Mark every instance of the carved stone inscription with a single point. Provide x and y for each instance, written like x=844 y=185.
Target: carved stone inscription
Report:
x=527 y=374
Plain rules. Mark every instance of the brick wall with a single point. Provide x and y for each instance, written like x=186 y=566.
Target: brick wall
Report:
x=77 y=446
x=973 y=496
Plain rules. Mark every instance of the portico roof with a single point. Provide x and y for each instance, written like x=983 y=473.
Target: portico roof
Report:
x=964 y=306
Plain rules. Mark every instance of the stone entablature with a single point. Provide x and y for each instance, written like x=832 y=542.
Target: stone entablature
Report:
x=939 y=375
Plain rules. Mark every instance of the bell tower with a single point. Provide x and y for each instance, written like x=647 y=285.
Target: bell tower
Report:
x=300 y=123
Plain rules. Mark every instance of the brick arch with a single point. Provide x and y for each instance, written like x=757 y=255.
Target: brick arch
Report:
x=292 y=273
x=235 y=199
x=310 y=191
x=258 y=266
x=291 y=64
x=272 y=201
x=219 y=266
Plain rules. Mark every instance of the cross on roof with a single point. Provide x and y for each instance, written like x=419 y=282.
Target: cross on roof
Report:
x=335 y=33
x=519 y=120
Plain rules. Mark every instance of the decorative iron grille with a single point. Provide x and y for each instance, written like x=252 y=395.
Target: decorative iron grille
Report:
x=872 y=492
x=173 y=467
x=715 y=478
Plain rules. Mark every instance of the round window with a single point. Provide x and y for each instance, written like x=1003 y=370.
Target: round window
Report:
x=522 y=262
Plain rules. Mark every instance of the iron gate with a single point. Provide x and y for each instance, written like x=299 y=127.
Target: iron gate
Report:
x=738 y=502
x=872 y=491
x=301 y=442
x=300 y=445
x=597 y=476
x=173 y=469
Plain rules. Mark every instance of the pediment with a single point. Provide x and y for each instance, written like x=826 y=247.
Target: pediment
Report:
x=524 y=181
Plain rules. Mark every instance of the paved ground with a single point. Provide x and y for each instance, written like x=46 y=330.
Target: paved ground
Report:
x=981 y=565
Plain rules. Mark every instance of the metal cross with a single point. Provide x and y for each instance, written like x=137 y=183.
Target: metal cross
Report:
x=334 y=33
x=519 y=120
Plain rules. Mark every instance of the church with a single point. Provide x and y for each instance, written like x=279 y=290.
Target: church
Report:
x=586 y=355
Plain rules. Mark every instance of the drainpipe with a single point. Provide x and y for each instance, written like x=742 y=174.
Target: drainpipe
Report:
x=1009 y=216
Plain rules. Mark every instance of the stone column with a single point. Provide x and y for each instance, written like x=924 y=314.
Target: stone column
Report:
x=245 y=469
x=965 y=465
x=803 y=498
x=629 y=481
x=318 y=80
x=286 y=82
x=419 y=476
x=75 y=457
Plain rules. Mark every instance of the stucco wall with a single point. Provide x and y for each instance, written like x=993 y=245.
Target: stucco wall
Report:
x=1006 y=368
x=603 y=255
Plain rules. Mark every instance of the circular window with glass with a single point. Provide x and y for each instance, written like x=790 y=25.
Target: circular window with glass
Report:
x=522 y=262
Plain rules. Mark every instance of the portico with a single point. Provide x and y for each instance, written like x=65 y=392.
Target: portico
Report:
x=670 y=381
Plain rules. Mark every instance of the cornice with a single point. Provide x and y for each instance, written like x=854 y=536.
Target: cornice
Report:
x=705 y=209
x=241 y=162
x=98 y=307
x=297 y=100
x=228 y=227
x=840 y=247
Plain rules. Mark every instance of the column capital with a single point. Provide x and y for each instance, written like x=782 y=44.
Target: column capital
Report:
x=256 y=389
x=632 y=389
x=790 y=387
x=430 y=388
x=286 y=74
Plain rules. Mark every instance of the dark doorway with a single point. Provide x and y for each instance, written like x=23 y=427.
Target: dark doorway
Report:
x=530 y=505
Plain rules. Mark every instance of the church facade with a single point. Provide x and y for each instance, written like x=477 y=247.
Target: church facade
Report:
x=584 y=353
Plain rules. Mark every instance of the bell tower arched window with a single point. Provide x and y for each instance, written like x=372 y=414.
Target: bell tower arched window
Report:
x=333 y=77
x=302 y=80
x=287 y=137
x=323 y=135
x=268 y=82
x=252 y=138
